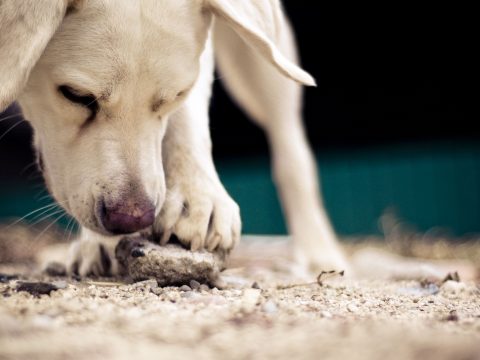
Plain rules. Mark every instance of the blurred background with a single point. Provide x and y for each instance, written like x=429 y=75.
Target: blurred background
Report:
x=391 y=123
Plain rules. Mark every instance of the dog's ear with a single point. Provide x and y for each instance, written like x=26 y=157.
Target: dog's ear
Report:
x=258 y=23
x=26 y=27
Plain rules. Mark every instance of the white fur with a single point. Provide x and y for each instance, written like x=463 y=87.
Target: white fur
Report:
x=131 y=54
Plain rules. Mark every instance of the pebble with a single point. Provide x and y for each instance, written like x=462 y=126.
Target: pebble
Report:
x=36 y=288
x=215 y=291
x=185 y=288
x=417 y=291
x=194 y=284
x=270 y=307
x=146 y=284
x=157 y=291
x=61 y=284
x=172 y=296
x=204 y=287
x=250 y=298
x=325 y=314
x=233 y=281
x=452 y=316
x=352 y=308
x=453 y=287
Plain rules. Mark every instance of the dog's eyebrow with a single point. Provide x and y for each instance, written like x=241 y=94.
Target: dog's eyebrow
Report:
x=84 y=83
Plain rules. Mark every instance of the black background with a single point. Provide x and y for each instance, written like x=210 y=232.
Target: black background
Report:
x=386 y=73
x=391 y=72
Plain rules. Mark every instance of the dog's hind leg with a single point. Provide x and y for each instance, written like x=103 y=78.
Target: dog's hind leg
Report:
x=274 y=102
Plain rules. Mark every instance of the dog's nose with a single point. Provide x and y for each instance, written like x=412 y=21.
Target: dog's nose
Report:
x=127 y=217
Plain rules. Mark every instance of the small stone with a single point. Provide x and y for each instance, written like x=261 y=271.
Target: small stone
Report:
x=36 y=288
x=204 y=287
x=157 y=291
x=146 y=284
x=452 y=316
x=255 y=285
x=453 y=287
x=172 y=296
x=269 y=307
x=352 y=308
x=60 y=284
x=185 y=288
x=325 y=314
x=250 y=299
x=194 y=284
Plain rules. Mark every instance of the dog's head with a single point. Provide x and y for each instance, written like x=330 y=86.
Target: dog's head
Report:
x=98 y=79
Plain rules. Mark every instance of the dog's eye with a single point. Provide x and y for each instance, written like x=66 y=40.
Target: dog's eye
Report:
x=75 y=97
x=88 y=101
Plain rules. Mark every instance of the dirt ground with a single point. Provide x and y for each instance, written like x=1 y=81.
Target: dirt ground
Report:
x=395 y=308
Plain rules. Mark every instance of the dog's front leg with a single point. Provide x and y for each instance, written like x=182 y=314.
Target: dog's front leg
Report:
x=93 y=254
x=197 y=209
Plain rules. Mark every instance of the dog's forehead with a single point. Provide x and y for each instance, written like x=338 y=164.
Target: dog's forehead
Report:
x=108 y=41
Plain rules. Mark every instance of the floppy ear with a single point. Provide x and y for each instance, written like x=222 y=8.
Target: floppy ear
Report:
x=258 y=23
x=26 y=27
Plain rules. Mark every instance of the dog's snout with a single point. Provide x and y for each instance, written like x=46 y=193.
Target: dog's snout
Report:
x=127 y=217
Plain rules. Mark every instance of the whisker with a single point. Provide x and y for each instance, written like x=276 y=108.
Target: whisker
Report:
x=39 y=187
x=10 y=117
x=49 y=226
x=43 y=197
x=46 y=217
x=11 y=128
x=35 y=176
x=53 y=208
x=66 y=228
x=72 y=229
x=48 y=207
x=28 y=167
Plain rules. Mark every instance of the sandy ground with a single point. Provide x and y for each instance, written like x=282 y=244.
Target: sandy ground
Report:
x=266 y=311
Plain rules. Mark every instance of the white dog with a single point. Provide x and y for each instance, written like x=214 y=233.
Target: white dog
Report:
x=117 y=92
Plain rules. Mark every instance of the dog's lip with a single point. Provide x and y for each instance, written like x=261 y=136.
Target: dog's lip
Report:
x=98 y=212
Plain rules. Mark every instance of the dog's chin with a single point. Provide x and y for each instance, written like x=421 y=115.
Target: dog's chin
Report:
x=105 y=233
x=93 y=225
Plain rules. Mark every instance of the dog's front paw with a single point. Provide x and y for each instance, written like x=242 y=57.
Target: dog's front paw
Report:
x=200 y=213
x=92 y=257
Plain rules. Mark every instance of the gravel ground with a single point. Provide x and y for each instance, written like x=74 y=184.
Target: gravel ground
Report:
x=267 y=311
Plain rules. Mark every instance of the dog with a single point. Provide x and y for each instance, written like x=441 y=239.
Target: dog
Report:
x=118 y=93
